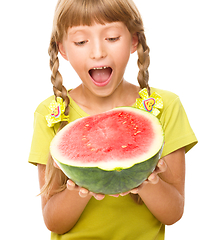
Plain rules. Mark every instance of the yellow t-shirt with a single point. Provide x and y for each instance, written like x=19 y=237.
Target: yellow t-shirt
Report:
x=116 y=218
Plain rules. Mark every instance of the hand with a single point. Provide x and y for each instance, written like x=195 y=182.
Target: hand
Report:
x=83 y=192
x=153 y=178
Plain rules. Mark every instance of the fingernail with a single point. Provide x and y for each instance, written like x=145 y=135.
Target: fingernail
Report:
x=70 y=183
x=135 y=191
x=161 y=163
x=151 y=177
x=123 y=194
x=84 y=191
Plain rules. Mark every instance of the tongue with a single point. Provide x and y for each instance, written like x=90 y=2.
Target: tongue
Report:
x=100 y=75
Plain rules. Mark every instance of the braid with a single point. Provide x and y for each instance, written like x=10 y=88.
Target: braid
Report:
x=143 y=61
x=53 y=174
x=56 y=78
x=143 y=79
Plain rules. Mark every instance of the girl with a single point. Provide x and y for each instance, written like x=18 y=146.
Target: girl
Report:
x=97 y=38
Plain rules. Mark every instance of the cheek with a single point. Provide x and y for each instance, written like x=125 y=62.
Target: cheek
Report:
x=122 y=58
x=123 y=52
x=76 y=60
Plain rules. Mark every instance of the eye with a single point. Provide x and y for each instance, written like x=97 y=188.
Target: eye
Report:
x=81 y=43
x=113 y=39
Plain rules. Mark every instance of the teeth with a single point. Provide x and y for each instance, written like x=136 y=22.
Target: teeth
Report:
x=100 y=68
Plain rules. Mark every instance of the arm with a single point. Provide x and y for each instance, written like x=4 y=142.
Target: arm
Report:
x=163 y=192
x=61 y=211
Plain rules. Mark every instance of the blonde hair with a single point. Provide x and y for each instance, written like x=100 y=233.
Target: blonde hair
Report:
x=70 y=13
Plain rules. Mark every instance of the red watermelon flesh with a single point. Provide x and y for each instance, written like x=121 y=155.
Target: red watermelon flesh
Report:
x=113 y=141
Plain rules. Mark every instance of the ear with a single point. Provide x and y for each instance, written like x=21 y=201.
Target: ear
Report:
x=62 y=51
x=135 y=42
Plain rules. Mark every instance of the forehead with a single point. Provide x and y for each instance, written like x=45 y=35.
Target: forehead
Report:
x=97 y=27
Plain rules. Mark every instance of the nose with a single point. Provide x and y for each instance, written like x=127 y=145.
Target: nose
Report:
x=98 y=50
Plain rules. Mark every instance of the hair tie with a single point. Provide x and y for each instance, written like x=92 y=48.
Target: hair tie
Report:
x=57 y=112
x=149 y=103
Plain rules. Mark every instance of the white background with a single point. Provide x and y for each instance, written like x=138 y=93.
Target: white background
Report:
x=181 y=37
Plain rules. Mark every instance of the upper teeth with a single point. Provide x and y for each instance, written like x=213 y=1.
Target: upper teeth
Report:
x=100 y=68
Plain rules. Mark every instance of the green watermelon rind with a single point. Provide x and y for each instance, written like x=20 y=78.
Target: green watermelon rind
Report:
x=114 y=181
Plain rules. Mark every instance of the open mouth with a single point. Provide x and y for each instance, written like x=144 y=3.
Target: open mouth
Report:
x=101 y=75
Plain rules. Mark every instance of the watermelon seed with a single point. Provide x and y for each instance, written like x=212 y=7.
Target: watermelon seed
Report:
x=124 y=146
x=89 y=144
x=137 y=133
x=93 y=149
x=124 y=122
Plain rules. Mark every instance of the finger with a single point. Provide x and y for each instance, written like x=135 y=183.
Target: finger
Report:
x=134 y=191
x=125 y=193
x=98 y=196
x=161 y=166
x=114 y=195
x=83 y=192
x=137 y=189
x=153 y=178
x=71 y=185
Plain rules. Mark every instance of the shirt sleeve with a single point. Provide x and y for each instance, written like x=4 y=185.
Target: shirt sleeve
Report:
x=42 y=137
x=178 y=132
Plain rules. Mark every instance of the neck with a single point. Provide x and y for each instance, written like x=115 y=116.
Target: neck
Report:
x=124 y=95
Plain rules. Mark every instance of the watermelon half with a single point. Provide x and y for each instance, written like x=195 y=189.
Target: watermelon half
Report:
x=109 y=153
